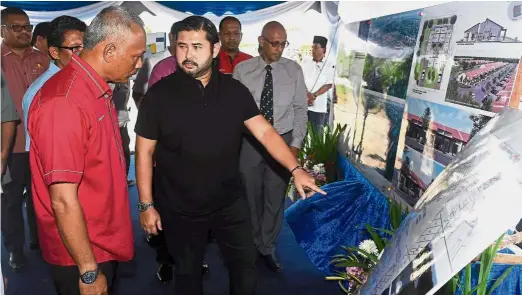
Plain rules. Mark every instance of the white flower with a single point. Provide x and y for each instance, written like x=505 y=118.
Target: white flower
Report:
x=369 y=246
x=317 y=169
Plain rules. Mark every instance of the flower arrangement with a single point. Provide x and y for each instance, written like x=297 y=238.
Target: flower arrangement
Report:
x=358 y=264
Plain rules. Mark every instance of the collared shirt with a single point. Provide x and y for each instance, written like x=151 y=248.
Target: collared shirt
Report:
x=9 y=114
x=141 y=83
x=227 y=63
x=316 y=75
x=20 y=73
x=31 y=92
x=120 y=96
x=162 y=69
x=192 y=176
x=75 y=138
x=290 y=96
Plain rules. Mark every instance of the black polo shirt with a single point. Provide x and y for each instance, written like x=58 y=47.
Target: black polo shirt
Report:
x=198 y=131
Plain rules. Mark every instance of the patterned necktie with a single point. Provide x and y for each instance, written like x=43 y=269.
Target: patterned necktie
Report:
x=267 y=97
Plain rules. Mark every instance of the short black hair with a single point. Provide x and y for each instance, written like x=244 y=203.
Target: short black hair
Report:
x=60 y=25
x=42 y=29
x=199 y=23
x=11 y=11
x=231 y=18
x=175 y=27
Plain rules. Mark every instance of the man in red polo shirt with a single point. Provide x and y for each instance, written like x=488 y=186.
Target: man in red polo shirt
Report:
x=230 y=36
x=21 y=65
x=79 y=180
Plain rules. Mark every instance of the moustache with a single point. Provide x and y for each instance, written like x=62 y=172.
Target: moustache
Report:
x=189 y=62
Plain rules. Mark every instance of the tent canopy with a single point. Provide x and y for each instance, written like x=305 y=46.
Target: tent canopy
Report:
x=194 y=7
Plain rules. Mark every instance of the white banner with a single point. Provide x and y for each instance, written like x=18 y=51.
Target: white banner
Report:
x=472 y=202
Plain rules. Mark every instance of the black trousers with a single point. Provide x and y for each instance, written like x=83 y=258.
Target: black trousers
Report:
x=66 y=279
x=13 y=228
x=187 y=239
x=125 y=142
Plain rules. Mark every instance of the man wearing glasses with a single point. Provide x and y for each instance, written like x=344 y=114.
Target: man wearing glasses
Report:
x=21 y=65
x=277 y=84
x=65 y=39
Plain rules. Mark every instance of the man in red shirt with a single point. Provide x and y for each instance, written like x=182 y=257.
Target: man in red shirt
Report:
x=230 y=36
x=79 y=180
x=21 y=65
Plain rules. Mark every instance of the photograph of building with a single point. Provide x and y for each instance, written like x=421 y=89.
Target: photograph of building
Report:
x=483 y=83
x=433 y=52
x=416 y=174
x=487 y=31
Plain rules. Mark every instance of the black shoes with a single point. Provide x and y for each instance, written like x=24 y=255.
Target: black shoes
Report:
x=272 y=263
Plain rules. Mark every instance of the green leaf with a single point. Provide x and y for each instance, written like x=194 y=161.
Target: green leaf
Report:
x=500 y=279
x=467 y=280
x=375 y=237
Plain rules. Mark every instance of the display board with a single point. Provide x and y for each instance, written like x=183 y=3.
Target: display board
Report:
x=430 y=80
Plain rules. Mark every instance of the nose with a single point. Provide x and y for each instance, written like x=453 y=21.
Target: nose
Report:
x=139 y=63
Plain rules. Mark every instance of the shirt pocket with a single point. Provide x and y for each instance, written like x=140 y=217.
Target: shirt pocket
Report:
x=284 y=94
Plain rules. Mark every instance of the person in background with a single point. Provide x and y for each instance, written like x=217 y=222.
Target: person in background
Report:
x=319 y=75
x=277 y=84
x=161 y=70
x=65 y=38
x=39 y=40
x=79 y=177
x=198 y=186
x=141 y=82
x=230 y=36
x=10 y=119
x=166 y=66
x=21 y=65
x=121 y=95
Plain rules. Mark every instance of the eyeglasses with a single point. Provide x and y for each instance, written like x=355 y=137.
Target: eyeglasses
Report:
x=19 y=28
x=75 y=49
x=277 y=43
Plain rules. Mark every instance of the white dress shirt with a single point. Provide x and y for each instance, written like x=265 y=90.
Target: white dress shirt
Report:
x=316 y=75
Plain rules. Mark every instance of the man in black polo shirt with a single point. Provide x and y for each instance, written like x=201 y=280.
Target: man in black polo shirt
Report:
x=194 y=119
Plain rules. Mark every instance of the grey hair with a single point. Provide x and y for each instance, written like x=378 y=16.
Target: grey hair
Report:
x=111 y=22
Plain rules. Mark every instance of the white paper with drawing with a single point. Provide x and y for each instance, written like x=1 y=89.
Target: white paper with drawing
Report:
x=472 y=202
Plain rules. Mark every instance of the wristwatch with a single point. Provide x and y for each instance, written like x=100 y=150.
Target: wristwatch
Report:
x=142 y=207
x=89 y=276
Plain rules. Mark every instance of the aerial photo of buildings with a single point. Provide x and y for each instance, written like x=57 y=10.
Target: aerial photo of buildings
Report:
x=480 y=82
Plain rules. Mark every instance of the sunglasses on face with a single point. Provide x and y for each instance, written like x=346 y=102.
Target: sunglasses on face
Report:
x=19 y=28
x=277 y=43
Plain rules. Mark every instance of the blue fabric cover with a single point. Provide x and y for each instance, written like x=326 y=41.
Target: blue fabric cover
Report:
x=322 y=224
x=512 y=284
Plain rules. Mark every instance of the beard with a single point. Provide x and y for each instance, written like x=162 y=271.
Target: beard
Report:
x=197 y=70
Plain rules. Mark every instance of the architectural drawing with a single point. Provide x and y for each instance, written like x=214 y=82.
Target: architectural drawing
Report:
x=487 y=31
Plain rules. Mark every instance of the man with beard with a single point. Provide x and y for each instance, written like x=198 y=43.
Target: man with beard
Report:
x=230 y=36
x=194 y=120
x=21 y=65
x=277 y=84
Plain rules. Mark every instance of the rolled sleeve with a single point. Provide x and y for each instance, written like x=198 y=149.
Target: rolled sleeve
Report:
x=58 y=132
x=300 y=111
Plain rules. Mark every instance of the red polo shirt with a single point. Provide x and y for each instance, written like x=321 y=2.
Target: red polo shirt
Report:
x=20 y=73
x=227 y=63
x=75 y=138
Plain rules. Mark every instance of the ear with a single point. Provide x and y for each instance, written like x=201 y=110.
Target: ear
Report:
x=261 y=40
x=240 y=37
x=217 y=47
x=53 y=51
x=109 y=53
x=171 y=38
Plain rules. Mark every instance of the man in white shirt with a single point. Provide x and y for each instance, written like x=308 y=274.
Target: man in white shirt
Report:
x=319 y=76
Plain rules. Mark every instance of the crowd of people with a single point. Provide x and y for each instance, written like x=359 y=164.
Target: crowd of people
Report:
x=218 y=135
